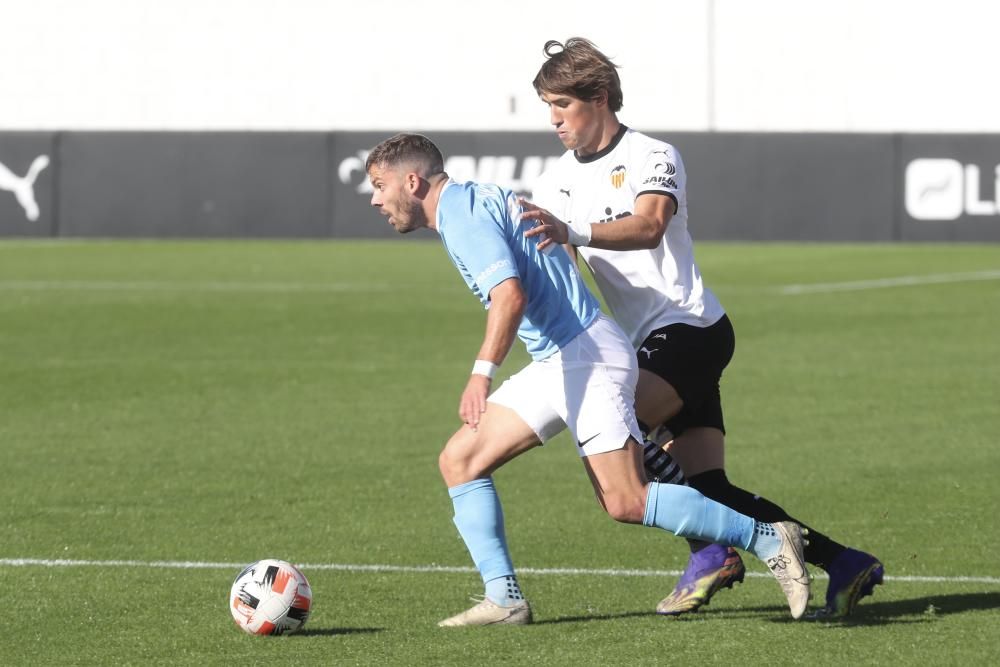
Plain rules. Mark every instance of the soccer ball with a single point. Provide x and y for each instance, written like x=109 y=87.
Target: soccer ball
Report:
x=270 y=597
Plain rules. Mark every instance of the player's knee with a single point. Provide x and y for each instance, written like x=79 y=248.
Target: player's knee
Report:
x=451 y=467
x=456 y=461
x=624 y=507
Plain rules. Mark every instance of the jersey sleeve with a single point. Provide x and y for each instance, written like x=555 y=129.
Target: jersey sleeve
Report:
x=479 y=243
x=663 y=173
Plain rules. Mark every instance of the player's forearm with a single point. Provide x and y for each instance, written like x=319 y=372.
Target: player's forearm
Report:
x=502 y=322
x=634 y=232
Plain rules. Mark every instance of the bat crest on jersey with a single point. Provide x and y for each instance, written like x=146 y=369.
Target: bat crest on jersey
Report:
x=618 y=176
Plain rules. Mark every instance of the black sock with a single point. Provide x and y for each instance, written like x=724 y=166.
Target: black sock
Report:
x=660 y=466
x=820 y=550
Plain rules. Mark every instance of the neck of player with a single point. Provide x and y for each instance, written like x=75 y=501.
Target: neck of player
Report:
x=609 y=128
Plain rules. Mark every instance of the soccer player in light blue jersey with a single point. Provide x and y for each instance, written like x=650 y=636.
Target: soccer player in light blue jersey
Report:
x=582 y=375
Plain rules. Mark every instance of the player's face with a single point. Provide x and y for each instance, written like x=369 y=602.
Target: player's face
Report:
x=393 y=196
x=577 y=121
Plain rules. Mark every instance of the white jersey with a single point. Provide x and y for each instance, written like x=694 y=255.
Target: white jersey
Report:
x=645 y=289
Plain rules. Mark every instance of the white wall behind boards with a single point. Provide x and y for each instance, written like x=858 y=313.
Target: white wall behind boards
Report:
x=771 y=65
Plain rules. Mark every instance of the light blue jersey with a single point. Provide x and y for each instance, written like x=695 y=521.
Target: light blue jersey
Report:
x=481 y=228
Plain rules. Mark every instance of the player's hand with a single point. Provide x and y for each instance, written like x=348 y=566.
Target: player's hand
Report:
x=552 y=228
x=473 y=403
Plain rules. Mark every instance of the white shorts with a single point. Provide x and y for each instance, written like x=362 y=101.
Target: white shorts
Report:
x=589 y=385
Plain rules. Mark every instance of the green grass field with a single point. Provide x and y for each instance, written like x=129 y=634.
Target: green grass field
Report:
x=223 y=402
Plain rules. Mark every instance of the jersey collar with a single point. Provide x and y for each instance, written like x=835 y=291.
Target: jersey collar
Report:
x=615 y=140
x=437 y=213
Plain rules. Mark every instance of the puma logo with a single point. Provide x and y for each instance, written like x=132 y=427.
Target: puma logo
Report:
x=24 y=187
x=565 y=192
x=649 y=353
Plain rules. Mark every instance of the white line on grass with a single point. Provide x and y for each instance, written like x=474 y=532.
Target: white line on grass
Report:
x=417 y=569
x=880 y=283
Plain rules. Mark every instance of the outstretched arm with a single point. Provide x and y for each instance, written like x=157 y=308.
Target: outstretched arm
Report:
x=642 y=230
x=507 y=303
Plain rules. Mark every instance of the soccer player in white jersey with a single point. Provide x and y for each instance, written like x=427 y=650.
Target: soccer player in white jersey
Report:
x=618 y=197
x=582 y=375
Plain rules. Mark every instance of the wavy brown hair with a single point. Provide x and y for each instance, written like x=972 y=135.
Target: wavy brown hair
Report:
x=579 y=69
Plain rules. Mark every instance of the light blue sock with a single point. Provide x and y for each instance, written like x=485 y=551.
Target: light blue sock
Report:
x=479 y=519
x=766 y=543
x=505 y=591
x=685 y=512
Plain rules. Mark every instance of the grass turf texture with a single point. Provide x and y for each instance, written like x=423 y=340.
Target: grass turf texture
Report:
x=228 y=402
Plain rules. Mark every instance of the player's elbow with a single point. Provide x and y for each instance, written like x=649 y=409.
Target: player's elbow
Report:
x=519 y=302
x=509 y=296
x=652 y=233
x=651 y=240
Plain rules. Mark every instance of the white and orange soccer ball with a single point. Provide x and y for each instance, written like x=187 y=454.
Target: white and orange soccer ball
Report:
x=270 y=597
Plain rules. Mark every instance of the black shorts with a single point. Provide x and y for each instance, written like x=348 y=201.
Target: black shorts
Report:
x=691 y=359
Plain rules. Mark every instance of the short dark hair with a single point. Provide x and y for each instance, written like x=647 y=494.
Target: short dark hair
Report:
x=578 y=69
x=413 y=149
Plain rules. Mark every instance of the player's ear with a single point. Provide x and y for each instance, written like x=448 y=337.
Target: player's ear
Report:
x=412 y=182
x=601 y=99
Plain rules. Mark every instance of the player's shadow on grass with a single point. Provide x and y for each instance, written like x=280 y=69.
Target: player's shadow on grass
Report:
x=898 y=612
x=331 y=632
x=593 y=617
x=921 y=609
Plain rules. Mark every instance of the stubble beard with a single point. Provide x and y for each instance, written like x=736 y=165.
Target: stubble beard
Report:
x=411 y=216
